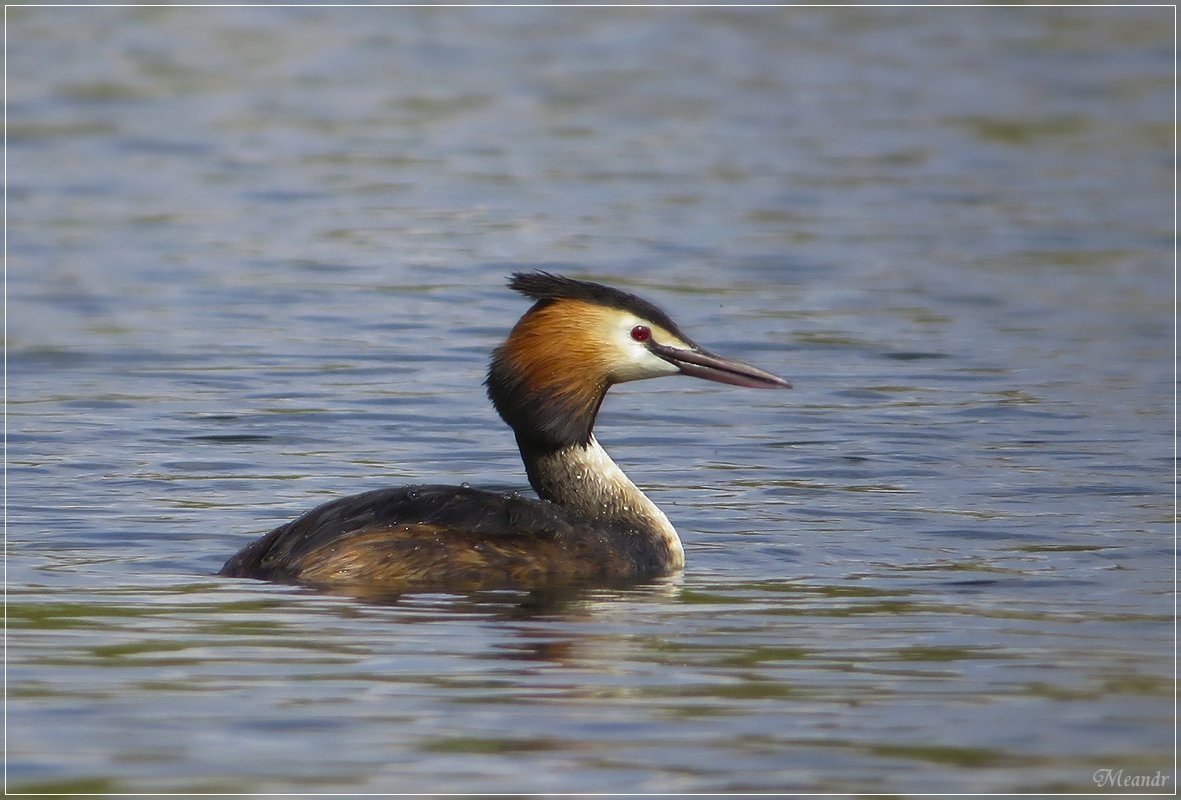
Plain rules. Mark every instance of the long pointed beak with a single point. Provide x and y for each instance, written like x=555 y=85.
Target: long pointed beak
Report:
x=702 y=364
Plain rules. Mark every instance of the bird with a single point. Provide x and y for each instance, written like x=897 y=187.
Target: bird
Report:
x=590 y=524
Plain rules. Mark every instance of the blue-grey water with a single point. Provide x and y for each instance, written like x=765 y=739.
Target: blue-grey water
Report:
x=256 y=260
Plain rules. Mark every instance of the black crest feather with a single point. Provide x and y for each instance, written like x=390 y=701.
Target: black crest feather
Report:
x=545 y=287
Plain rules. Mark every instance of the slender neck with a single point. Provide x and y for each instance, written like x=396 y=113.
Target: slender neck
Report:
x=552 y=410
x=583 y=477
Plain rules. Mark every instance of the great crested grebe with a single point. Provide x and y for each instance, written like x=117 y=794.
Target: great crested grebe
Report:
x=547 y=381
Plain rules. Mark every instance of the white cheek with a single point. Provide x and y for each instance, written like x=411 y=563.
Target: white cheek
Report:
x=636 y=363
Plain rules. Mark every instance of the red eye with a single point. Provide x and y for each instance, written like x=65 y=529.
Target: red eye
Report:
x=641 y=333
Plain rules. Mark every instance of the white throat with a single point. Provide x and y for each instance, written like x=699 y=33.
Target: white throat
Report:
x=585 y=478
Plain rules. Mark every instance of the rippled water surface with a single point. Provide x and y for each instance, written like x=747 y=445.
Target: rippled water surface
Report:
x=256 y=260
